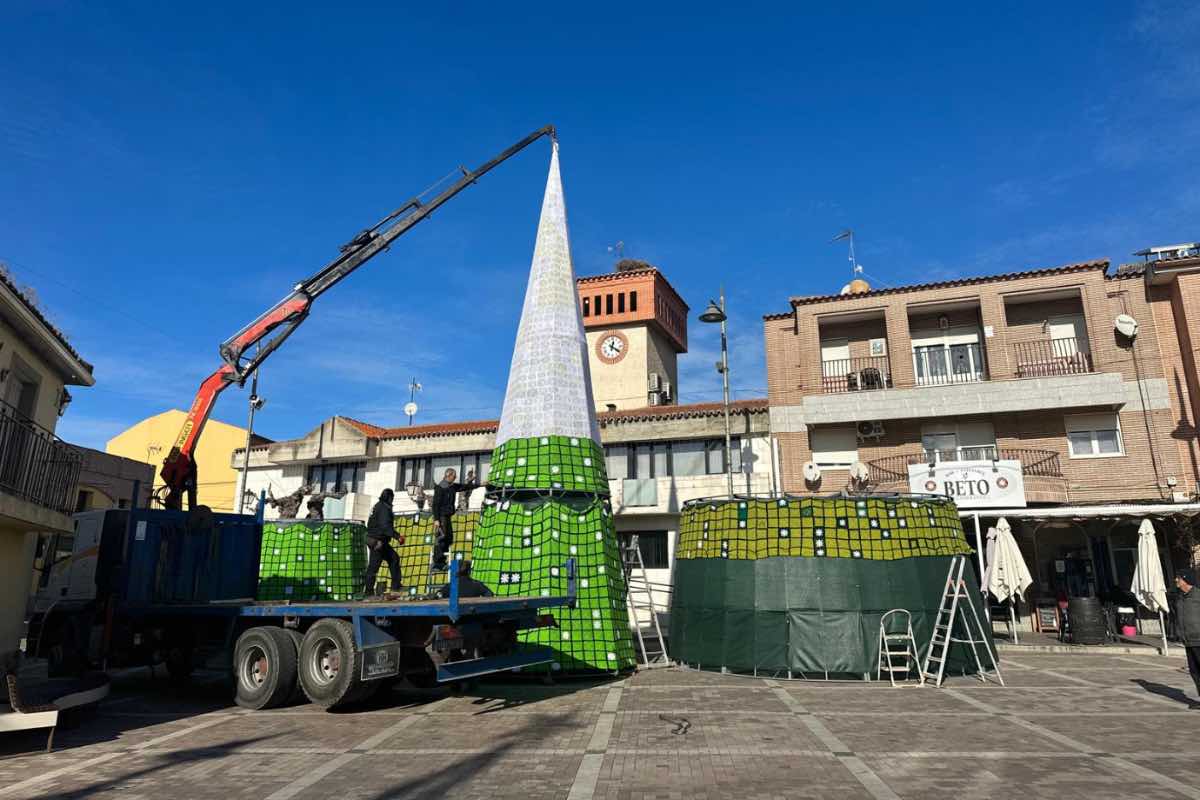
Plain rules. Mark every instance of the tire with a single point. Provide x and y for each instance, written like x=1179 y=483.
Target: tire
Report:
x=330 y=664
x=296 y=637
x=264 y=668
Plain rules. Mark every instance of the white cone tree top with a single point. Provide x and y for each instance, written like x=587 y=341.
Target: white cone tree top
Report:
x=549 y=384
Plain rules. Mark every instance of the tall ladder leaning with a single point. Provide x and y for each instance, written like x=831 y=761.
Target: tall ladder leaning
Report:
x=639 y=593
x=949 y=613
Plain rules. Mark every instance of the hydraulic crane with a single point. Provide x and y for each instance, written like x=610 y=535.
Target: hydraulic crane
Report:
x=272 y=328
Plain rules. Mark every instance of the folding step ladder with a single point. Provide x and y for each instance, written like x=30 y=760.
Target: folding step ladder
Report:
x=949 y=614
x=898 y=648
x=639 y=593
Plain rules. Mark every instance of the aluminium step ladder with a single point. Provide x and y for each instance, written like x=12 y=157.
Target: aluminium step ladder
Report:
x=898 y=648
x=639 y=594
x=951 y=614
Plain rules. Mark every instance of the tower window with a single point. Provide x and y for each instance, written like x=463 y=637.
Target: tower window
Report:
x=608 y=304
x=586 y=306
x=621 y=303
x=596 y=305
x=633 y=301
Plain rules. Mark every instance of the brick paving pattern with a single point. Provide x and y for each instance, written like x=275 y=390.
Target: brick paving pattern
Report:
x=1095 y=726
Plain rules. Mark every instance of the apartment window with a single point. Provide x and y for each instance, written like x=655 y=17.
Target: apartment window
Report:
x=337 y=477
x=959 y=441
x=688 y=458
x=83 y=500
x=714 y=455
x=653 y=546
x=1094 y=436
x=1068 y=335
x=616 y=461
x=587 y=306
x=633 y=301
x=415 y=470
x=950 y=356
x=621 y=303
x=834 y=447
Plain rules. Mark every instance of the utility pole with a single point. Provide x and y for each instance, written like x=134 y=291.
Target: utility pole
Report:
x=410 y=408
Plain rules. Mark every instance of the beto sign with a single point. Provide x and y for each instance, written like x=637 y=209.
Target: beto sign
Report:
x=971 y=484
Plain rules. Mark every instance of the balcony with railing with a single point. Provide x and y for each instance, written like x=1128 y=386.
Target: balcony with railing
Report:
x=855 y=374
x=1041 y=468
x=1049 y=357
x=940 y=365
x=35 y=465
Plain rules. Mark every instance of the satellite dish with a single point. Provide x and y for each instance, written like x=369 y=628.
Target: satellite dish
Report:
x=410 y=408
x=812 y=473
x=1126 y=326
x=845 y=289
x=859 y=472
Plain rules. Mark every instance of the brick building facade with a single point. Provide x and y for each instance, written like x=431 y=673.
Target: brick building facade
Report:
x=1023 y=367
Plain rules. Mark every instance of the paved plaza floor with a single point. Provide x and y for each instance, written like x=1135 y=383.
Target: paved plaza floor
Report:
x=1066 y=726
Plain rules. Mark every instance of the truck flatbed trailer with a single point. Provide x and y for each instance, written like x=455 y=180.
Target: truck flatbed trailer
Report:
x=335 y=653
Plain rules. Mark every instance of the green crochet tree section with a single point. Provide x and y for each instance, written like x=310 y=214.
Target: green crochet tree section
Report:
x=565 y=463
x=304 y=561
x=525 y=539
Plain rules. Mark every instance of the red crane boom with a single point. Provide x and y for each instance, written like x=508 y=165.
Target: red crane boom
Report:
x=273 y=327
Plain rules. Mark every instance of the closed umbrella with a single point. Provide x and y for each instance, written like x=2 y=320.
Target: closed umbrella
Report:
x=1007 y=576
x=1148 y=585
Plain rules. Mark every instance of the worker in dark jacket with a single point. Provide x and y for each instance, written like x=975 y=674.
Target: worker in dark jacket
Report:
x=444 y=495
x=380 y=531
x=1187 y=614
x=467 y=586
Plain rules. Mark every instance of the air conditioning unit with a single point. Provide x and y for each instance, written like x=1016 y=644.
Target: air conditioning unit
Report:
x=872 y=429
x=654 y=384
x=666 y=391
x=654 y=399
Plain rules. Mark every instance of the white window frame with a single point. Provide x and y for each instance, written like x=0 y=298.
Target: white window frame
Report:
x=1092 y=430
x=944 y=340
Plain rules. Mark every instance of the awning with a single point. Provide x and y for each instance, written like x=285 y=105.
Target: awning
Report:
x=1157 y=510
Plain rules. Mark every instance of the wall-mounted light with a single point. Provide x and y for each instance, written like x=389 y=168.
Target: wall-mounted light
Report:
x=64 y=400
x=4 y=373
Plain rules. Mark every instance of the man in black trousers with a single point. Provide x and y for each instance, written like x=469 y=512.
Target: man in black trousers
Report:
x=444 y=496
x=380 y=531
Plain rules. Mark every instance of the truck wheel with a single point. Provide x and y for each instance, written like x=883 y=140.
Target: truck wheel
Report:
x=264 y=666
x=330 y=664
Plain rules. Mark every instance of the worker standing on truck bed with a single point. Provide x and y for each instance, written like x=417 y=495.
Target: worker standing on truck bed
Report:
x=380 y=530
x=444 y=495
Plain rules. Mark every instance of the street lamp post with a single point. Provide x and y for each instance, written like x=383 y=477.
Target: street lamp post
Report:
x=716 y=313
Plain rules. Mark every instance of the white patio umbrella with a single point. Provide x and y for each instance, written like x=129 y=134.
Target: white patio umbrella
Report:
x=1148 y=585
x=1007 y=576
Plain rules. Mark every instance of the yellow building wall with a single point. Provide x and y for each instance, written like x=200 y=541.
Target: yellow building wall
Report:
x=151 y=439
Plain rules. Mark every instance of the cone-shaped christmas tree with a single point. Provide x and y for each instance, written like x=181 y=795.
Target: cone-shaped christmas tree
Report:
x=547 y=490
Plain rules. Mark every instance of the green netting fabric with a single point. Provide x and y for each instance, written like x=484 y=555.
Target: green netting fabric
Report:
x=303 y=560
x=417 y=530
x=876 y=528
x=521 y=548
x=565 y=463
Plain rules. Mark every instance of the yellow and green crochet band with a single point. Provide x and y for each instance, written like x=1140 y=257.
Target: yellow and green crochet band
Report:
x=872 y=528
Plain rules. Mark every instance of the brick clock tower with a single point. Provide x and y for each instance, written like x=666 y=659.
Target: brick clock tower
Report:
x=636 y=327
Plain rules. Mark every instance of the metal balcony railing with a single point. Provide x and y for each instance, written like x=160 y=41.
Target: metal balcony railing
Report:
x=36 y=465
x=1046 y=357
x=939 y=365
x=893 y=469
x=856 y=374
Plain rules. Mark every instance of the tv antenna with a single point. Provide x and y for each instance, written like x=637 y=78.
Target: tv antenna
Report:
x=856 y=269
x=410 y=408
x=617 y=249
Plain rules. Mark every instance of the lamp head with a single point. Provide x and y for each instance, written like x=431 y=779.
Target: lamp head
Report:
x=713 y=313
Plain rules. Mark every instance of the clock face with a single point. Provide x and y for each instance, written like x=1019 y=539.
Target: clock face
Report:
x=612 y=347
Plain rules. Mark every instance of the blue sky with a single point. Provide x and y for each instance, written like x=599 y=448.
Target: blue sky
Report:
x=167 y=175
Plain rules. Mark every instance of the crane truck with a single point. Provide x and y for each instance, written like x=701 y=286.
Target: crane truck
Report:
x=164 y=585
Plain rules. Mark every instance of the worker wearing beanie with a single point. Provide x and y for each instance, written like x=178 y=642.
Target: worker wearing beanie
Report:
x=1188 y=616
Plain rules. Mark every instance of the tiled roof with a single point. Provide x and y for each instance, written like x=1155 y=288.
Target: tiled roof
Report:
x=616 y=276
x=55 y=332
x=1085 y=266
x=690 y=411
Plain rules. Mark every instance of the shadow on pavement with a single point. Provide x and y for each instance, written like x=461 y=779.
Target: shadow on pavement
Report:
x=1169 y=692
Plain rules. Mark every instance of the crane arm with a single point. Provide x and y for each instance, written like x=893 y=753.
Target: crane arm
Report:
x=266 y=333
